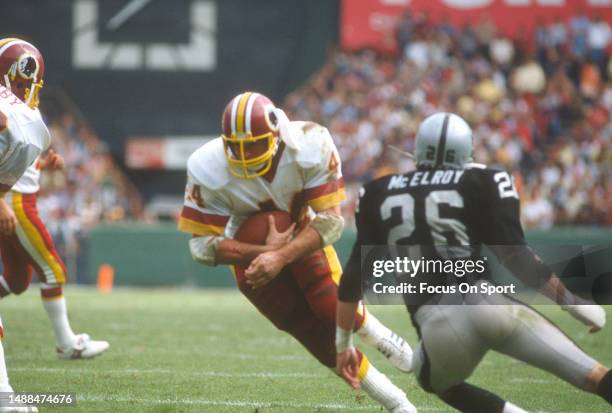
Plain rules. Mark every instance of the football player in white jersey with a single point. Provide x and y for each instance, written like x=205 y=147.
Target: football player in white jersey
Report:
x=25 y=242
x=23 y=137
x=264 y=162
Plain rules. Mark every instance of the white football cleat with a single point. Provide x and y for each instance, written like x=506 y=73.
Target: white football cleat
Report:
x=13 y=409
x=397 y=350
x=83 y=348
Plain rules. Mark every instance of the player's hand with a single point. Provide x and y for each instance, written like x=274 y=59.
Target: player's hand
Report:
x=264 y=268
x=8 y=221
x=275 y=238
x=592 y=315
x=347 y=366
x=53 y=161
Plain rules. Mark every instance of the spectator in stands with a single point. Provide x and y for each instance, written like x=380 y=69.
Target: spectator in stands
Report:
x=598 y=39
x=403 y=34
x=579 y=27
x=557 y=34
x=90 y=191
x=553 y=131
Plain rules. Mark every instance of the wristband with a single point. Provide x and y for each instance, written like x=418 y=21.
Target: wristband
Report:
x=344 y=340
x=329 y=226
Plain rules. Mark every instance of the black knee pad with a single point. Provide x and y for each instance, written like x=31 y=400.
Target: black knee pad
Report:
x=471 y=399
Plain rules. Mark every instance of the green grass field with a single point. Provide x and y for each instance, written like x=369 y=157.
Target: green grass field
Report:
x=210 y=351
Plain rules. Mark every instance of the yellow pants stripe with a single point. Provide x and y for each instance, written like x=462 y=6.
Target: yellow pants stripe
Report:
x=334 y=263
x=35 y=245
x=363 y=368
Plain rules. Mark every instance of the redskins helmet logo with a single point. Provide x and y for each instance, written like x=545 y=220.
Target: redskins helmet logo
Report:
x=27 y=66
x=270 y=117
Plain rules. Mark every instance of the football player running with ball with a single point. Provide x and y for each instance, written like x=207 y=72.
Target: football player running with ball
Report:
x=264 y=162
x=25 y=242
x=449 y=201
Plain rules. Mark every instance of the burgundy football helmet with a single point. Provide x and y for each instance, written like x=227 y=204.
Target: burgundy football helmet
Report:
x=249 y=118
x=21 y=69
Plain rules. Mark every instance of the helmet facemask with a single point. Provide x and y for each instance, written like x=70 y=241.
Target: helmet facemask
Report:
x=248 y=168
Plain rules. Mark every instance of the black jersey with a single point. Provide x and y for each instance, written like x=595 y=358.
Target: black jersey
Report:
x=443 y=207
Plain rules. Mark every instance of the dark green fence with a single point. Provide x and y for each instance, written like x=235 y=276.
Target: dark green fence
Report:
x=158 y=255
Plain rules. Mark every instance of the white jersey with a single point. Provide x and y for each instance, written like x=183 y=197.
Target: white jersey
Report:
x=301 y=181
x=23 y=137
x=29 y=183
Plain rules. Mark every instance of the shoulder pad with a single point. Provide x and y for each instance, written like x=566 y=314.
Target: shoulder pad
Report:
x=479 y=170
x=315 y=143
x=482 y=169
x=38 y=134
x=207 y=165
x=485 y=179
x=26 y=125
x=377 y=185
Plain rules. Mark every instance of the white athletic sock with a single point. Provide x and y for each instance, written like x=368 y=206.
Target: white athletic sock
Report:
x=510 y=408
x=58 y=315
x=380 y=388
x=372 y=331
x=4 y=381
x=391 y=345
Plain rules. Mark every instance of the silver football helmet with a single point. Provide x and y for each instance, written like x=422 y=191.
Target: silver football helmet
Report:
x=443 y=139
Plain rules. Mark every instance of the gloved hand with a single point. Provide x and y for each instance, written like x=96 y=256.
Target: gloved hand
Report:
x=592 y=315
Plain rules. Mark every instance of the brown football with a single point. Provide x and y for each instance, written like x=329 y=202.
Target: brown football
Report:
x=255 y=229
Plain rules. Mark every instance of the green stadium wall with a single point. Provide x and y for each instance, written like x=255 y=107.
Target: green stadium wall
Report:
x=158 y=255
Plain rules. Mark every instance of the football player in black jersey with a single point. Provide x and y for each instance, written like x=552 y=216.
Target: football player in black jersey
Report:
x=450 y=202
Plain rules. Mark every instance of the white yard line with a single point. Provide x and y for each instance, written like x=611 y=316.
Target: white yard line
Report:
x=240 y=403
x=232 y=403
x=535 y=381
x=236 y=403
x=170 y=371
x=210 y=354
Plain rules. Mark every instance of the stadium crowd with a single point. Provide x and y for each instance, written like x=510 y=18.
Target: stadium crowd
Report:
x=91 y=190
x=540 y=106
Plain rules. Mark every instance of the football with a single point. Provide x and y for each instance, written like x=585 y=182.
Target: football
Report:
x=255 y=229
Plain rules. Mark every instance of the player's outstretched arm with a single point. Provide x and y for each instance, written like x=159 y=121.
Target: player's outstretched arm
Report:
x=347 y=364
x=349 y=295
x=589 y=313
x=506 y=239
x=529 y=268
